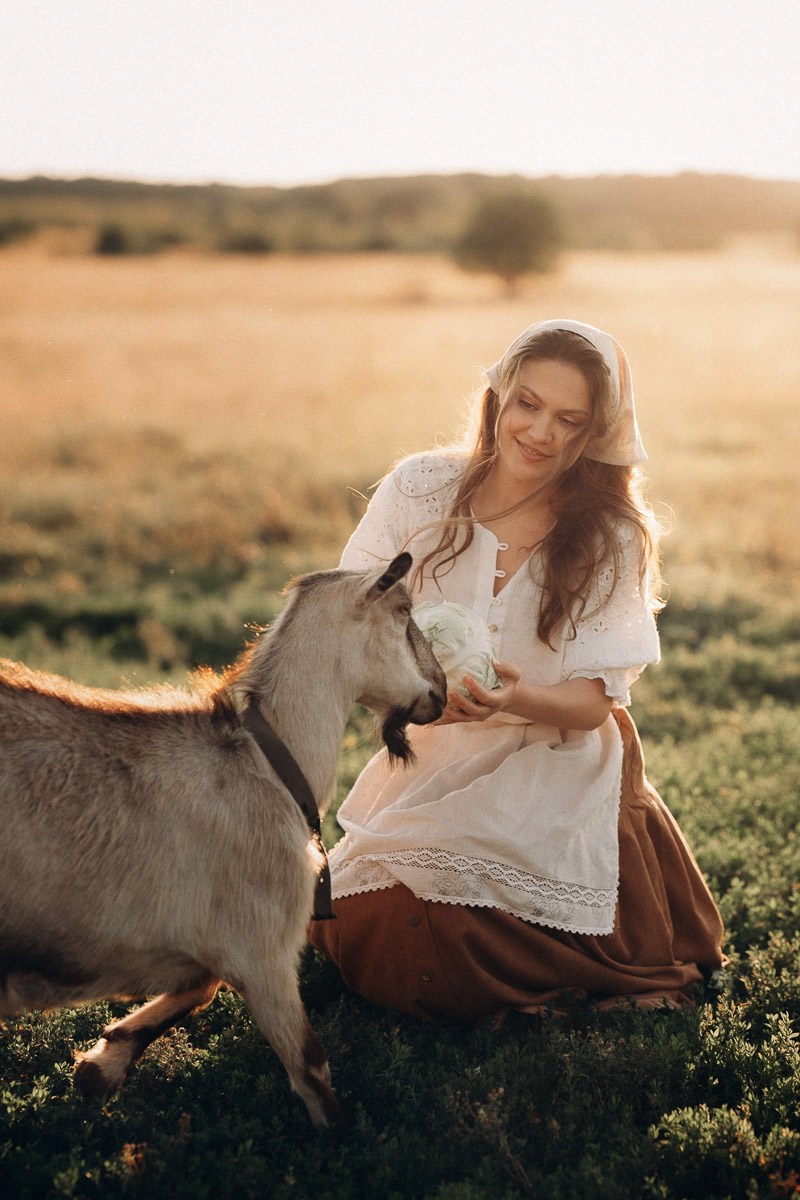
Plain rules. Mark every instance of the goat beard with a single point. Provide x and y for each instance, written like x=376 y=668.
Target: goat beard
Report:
x=393 y=732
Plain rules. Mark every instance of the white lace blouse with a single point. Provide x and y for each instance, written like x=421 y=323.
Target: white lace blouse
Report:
x=503 y=813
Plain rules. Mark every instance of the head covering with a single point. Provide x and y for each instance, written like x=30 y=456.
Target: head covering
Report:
x=622 y=445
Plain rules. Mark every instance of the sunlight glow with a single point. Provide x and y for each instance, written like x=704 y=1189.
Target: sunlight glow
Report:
x=276 y=91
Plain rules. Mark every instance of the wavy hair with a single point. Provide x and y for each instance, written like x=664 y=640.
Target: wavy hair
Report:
x=590 y=498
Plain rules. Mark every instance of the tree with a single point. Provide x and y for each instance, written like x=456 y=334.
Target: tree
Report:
x=112 y=239
x=511 y=234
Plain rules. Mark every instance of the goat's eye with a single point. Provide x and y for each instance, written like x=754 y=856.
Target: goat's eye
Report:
x=406 y=610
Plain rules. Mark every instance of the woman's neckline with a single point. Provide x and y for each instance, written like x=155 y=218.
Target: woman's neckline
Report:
x=509 y=558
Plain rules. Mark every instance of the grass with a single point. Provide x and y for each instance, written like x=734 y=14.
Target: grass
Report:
x=148 y=514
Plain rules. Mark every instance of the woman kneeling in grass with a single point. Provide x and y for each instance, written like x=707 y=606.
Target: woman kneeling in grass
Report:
x=524 y=859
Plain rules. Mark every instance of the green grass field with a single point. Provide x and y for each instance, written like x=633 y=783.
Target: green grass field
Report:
x=149 y=512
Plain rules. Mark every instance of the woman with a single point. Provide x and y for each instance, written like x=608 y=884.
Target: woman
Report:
x=524 y=860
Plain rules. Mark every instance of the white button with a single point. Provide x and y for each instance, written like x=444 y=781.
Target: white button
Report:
x=500 y=574
x=497 y=600
x=502 y=545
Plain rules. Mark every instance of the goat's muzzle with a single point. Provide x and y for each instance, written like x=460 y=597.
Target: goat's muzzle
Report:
x=433 y=706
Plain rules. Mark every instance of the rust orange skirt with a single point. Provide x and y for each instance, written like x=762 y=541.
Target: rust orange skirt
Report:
x=437 y=960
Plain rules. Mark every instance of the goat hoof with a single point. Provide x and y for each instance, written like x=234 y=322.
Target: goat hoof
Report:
x=90 y=1078
x=327 y=1113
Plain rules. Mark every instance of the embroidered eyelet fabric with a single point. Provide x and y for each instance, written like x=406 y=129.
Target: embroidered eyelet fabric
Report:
x=501 y=813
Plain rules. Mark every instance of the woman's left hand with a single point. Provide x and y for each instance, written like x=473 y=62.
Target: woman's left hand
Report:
x=482 y=703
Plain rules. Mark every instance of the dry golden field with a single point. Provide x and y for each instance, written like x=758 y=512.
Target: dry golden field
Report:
x=342 y=364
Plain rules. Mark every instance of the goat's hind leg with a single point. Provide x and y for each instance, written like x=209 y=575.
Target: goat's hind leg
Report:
x=102 y=1069
x=277 y=1008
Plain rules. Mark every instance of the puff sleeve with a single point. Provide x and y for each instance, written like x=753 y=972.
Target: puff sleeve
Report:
x=616 y=638
x=377 y=537
x=407 y=500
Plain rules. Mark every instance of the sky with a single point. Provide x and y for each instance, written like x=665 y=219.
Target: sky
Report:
x=292 y=91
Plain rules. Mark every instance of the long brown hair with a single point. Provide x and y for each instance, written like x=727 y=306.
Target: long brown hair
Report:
x=590 y=498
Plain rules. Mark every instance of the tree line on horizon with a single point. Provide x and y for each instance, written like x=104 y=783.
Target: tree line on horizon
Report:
x=414 y=214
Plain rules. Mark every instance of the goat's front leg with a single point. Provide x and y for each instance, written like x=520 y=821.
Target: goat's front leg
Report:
x=278 y=1010
x=102 y=1069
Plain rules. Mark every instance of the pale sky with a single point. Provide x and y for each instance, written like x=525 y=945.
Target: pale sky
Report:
x=288 y=91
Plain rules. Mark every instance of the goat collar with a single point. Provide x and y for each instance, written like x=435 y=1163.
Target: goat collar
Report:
x=285 y=767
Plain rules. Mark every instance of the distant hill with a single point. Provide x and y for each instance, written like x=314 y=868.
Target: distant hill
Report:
x=413 y=214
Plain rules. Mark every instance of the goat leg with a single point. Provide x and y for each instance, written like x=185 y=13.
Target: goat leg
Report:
x=102 y=1069
x=278 y=1010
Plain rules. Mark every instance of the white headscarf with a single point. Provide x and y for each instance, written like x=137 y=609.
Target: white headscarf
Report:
x=622 y=445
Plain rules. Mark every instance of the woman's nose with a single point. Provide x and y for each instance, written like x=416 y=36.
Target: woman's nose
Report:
x=541 y=428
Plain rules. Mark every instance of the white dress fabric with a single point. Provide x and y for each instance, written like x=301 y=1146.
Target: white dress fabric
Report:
x=503 y=813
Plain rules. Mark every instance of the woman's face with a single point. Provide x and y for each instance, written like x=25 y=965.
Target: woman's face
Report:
x=548 y=410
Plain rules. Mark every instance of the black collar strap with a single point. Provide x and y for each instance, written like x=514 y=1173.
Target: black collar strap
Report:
x=285 y=767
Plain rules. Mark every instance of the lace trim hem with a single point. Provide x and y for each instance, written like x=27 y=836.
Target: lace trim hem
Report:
x=445 y=878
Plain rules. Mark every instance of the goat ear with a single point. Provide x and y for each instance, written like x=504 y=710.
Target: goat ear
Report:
x=397 y=569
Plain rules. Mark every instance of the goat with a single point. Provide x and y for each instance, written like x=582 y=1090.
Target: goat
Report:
x=149 y=847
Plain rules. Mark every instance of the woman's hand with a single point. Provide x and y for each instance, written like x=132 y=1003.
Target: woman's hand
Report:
x=580 y=704
x=482 y=703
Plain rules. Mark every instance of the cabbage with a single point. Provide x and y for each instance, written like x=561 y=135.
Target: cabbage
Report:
x=460 y=641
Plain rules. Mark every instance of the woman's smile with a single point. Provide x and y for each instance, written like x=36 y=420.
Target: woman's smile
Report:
x=531 y=453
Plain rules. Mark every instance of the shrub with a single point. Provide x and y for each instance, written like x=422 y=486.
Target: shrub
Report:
x=250 y=242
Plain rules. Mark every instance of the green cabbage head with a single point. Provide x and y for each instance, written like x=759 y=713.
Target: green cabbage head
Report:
x=461 y=642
